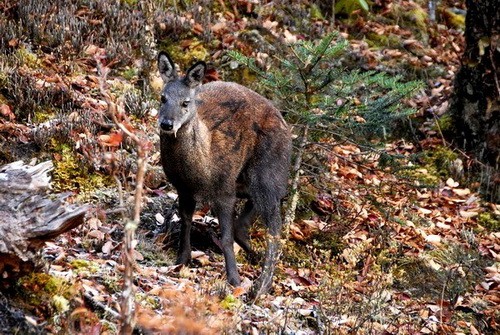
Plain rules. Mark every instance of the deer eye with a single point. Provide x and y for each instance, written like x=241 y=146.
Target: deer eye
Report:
x=163 y=99
x=185 y=103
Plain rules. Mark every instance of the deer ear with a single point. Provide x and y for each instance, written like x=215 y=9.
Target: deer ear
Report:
x=195 y=74
x=166 y=67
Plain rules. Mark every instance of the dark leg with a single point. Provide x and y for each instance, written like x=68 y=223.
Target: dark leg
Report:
x=272 y=218
x=224 y=208
x=241 y=227
x=186 y=210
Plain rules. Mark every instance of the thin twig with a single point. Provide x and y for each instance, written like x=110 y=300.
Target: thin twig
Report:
x=114 y=314
x=127 y=312
x=439 y=130
x=294 y=199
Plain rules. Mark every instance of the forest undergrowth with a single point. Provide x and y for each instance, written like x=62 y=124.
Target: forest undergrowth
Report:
x=391 y=235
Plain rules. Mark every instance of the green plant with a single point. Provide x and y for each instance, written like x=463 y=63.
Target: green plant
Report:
x=349 y=6
x=328 y=101
x=314 y=88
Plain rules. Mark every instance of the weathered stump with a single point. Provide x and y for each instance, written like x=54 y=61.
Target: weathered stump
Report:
x=29 y=215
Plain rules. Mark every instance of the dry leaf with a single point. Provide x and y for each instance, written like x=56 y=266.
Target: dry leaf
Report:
x=424 y=211
x=99 y=235
x=238 y=291
x=137 y=255
x=7 y=112
x=106 y=248
x=159 y=218
x=111 y=140
x=433 y=239
x=451 y=183
x=461 y=191
x=467 y=214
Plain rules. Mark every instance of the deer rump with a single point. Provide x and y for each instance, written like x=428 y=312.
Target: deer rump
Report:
x=234 y=145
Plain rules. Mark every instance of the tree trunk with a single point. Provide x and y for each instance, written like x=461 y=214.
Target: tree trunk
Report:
x=29 y=216
x=475 y=105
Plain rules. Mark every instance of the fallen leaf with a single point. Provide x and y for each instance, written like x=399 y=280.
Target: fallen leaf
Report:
x=111 y=140
x=159 y=218
x=451 y=183
x=106 y=248
x=467 y=214
x=289 y=37
x=433 y=239
x=218 y=27
x=99 y=235
x=238 y=291
x=461 y=191
x=424 y=211
x=138 y=256
x=6 y=111
x=13 y=43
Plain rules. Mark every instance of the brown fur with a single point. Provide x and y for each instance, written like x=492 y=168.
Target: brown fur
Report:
x=229 y=142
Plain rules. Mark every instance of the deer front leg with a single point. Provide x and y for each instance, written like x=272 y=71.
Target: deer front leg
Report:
x=186 y=210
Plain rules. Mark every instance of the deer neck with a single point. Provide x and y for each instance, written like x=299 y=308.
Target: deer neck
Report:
x=192 y=140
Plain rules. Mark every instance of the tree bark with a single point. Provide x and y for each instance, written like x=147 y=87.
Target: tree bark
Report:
x=29 y=216
x=475 y=105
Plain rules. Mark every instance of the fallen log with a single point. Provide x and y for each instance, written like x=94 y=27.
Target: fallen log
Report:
x=30 y=215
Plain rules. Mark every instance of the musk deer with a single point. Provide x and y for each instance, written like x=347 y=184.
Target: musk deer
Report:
x=221 y=141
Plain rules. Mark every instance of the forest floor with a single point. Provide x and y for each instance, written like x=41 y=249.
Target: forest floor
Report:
x=379 y=250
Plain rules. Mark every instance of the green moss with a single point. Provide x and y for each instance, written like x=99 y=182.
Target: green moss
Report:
x=315 y=12
x=308 y=194
x=454 y=20
x=70 y=174
x=386 y=259
x=297 y=254
x=415 y=276
x=186 y=56
x=112 y=283
x=419 y=16
x=83 y=265
x=412 y=17
x=153 y=253
x=328 y=241
x=4 y=79
x=28 y=58
x=439 y=159
x=424 y=176
x=148 y=301
x=445 y=123
x=383 y=40
x=432 y=166
x=129 y=73
x=40 y=288
x=130 y=2
x=230 y=302
x=349 y=6
x=43 y=115
x=489 y=221
x=60 y=303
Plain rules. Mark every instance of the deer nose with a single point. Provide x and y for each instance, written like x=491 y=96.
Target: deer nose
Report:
x=167 y=125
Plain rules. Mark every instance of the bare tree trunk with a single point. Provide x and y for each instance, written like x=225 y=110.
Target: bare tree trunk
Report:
x=475 y=105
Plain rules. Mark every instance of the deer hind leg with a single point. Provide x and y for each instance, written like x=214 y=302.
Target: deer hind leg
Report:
x=241 y=231
x=272 y=218
x=224 y=207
